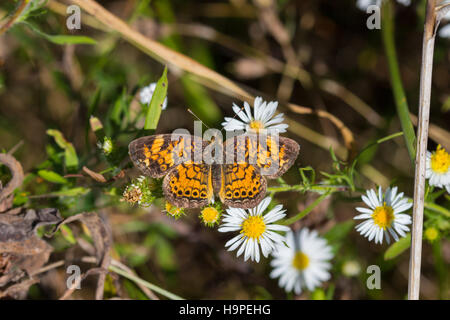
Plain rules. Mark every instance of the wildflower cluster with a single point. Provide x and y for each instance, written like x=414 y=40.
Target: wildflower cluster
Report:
x=139 y=192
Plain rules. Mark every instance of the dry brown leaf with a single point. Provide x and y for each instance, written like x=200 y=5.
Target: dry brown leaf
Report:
x=22 y=252
x=94 y=175
x=101 y=236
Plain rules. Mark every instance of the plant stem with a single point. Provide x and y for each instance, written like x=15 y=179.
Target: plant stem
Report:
x=422 y=134
x=387 y=31
x=301 y=188
x=307 y=210
x=145 y=283
x=19 y=11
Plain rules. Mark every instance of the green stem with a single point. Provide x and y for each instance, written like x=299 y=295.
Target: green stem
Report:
x=301 y=188
x=437 y=208
x=387 y=31
x=145 y=283
x=307 y=210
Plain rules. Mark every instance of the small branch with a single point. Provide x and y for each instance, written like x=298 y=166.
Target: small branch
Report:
x=200 y=73
x=120 y=265
x=17 y=178
x=20 y=9
x=145 y=283
x=422 y=139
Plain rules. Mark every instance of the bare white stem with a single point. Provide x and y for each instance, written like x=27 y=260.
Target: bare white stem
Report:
x=422 y=139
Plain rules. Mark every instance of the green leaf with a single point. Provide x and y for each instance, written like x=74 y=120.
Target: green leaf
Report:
x=200 y=102
x=398 y=247
x=61 y=39
x=52 y=176
x=70 y=155
x=20 y=197
x=67 y=234
x=154 y=110
x=92 y=109
x=318 y=294
x=165 y=254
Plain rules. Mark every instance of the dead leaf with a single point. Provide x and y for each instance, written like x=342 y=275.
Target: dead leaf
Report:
x=101 y=236
x=94 y=175
x=22 y=252
x=19 y=290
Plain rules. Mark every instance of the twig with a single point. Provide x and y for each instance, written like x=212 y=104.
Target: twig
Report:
x=422 y=139
x=48 y=267
x=201 y=74
x=20 y=9
x=17 y=176
x=144 y=289
x=78 y=280
x=330 y=86
x=16 y=147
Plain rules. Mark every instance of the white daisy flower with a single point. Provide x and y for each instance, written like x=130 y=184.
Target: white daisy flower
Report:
x=438 y=168
x=303 y=263
x=255 y=229
x=146 y=94
x=384 y=216
x=364 y=4
x=262 y=118
x=445 y=32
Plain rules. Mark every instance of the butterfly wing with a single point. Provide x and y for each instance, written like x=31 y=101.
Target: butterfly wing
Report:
x=189 y=185
x=156 y=155
x=273 y=155
x=242 y=186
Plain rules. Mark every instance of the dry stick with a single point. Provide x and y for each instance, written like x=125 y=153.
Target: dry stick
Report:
x=201 y=74
x=422 y=139
x=17 y=175
x=330 y=86
x=20 y=9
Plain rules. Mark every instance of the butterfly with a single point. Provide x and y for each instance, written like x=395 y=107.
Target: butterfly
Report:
x=193 y=171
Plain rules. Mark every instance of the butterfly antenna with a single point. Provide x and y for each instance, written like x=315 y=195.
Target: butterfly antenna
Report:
x=191 y=112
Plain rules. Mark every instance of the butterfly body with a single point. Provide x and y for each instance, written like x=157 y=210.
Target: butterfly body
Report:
x=194 y=170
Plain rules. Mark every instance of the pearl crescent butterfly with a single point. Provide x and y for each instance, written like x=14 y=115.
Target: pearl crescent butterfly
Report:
x=194 y=170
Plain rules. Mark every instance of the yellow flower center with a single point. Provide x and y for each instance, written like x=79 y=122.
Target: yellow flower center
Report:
x=431 y=234
x=383 y=216
x=210 y=215
x=440 y=160
x=256 y=125
x=300 y=261
x=253 y=227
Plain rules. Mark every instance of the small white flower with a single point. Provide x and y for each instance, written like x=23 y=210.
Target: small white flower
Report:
x=146 y=95
x=262 y=118
x=445 y=32
x=107 y=145
x=364 y=4
x=383 y=217
x=438 y=168
x=255 y=229
x=404 y=2
x=351 y=268
x=303 y=263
